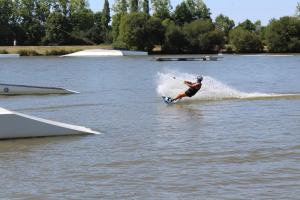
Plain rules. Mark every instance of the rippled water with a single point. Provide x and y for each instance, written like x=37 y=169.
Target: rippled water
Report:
x=238 y=138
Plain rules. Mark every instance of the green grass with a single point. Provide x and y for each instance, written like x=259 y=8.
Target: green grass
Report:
x=24 y=52
x=3 y=51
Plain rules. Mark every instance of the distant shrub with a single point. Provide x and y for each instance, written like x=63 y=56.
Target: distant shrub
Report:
x=175 y=40
x=24 y=52
x=229 y=48
x=245 y=41
x=138 y=31
x=118 y=44
x=283 y=35
x=3 y=51
x=202 y=37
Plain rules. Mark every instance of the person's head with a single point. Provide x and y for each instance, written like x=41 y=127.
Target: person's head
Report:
x=199 y=79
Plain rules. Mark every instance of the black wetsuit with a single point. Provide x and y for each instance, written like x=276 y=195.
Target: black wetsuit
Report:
x=191 y=91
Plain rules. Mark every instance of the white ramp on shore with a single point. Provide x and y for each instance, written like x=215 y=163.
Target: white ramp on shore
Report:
x=17 y=125
x=105 y=52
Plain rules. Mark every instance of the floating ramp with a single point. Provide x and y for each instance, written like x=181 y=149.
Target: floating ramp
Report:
x=203 y=58
x=17 y=125
x=105 y=52
x=11 y=89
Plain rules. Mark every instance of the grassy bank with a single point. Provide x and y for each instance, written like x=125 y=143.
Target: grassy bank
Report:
x=48 y=50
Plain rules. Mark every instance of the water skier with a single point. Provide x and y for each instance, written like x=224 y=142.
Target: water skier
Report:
x=193 y=89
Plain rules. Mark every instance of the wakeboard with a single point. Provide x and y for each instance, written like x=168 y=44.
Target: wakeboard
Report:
x=168 y=100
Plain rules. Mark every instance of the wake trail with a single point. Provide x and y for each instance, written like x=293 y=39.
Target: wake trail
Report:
x=171 y=83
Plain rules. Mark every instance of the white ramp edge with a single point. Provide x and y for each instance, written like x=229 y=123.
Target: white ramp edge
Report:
x=18 y=125
x=105 y=52
x=14 y=89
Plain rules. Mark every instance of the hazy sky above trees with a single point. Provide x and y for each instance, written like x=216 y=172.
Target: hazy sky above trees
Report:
x=238 y=10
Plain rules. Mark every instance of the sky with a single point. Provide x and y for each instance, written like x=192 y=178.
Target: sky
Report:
x=238 y=10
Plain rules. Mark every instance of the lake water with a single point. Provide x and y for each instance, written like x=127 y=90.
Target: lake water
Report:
x=238 y=138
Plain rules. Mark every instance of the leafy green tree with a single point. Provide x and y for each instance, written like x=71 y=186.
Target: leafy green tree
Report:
x=96 y=34
x=116 y=20
x=154 y=33
x=258 y=26
x=283 y=35
x=194 y=29
x=167 y=22
x=248 y=25
x=298 y=10
x=161 y=8
x=81 y=22
x=198 y=9
x=133 y=31
x=175 y=40
x=134 y=6
x=77 y=5
x=139 y=32
x=211 y=41
x=202 y=36
x=262 y=35
x=182 y=14
x=33 y=15
x=245 y=41
x=58 y=29
x=6 y=34
x=69 y=7
x=62 y=6
x=105 y=19
x=146 y=7
x=224 y=24
x=42 y=10
x=15 y=20
x=120 y=8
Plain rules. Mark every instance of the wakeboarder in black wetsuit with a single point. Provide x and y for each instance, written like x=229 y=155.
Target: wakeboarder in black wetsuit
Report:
x=193 y=89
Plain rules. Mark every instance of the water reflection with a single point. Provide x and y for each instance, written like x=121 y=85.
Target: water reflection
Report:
x=21 y=146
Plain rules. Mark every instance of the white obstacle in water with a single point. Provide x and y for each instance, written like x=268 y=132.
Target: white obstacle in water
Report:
x=18 y=125
x=12 y=89
x=105 y=52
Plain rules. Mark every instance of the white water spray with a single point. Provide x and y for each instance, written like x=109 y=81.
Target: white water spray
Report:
x=171 y=83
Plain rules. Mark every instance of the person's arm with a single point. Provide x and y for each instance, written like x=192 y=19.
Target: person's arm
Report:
x=188 y=83
x=192 y=85
x=196 y=85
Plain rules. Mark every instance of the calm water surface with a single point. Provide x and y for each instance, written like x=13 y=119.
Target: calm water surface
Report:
x=238 y=138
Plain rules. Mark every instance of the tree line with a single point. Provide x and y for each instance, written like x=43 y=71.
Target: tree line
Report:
x=188 y=28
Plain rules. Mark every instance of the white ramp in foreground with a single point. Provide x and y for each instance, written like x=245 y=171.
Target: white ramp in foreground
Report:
x=105 y=52
x=13 y=89
x=17 y=125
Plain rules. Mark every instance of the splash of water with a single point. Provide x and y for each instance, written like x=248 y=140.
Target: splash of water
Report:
x=171 y=83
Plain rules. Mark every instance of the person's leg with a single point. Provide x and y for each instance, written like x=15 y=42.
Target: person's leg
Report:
x=179 y=96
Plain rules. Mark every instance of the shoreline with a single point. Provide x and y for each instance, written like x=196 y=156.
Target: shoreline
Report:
x=67 y=49
x=48 y=50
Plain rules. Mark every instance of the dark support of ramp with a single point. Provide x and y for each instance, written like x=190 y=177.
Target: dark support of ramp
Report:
x=203 y=58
